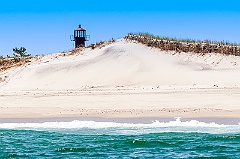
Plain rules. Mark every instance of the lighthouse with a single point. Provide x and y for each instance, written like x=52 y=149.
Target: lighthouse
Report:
x=79 y=36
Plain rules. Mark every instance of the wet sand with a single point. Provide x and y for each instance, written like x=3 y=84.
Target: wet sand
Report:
x=225 y=121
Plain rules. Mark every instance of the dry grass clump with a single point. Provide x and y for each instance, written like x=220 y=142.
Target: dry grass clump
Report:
x=74 y=51
x=185 y=45
x=101 y=44
x=92 y=46
x=7 y=63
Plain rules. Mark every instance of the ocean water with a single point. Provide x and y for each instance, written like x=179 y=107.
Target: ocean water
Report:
x=91 y=139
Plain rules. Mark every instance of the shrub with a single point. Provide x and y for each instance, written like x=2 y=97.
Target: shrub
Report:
x=22 y=52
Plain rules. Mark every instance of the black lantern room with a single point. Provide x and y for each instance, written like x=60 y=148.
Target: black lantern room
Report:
x=80 y=37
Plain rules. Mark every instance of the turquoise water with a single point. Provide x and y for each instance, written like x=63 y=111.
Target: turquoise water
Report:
x=89 y=139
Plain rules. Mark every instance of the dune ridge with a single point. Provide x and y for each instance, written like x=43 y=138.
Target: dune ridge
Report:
x=185 y=45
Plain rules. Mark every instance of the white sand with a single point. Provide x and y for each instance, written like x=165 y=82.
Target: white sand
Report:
x=123 y=80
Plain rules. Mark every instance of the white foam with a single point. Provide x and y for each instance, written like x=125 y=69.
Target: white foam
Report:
x=126 y=128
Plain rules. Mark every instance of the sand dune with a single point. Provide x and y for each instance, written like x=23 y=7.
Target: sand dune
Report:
x=126 y=64
x=125 y=77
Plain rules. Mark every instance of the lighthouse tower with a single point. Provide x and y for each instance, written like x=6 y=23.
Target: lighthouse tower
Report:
x=80 y=37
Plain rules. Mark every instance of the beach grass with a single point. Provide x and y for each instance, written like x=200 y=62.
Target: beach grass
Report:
x=187 y=40
x=185 y=45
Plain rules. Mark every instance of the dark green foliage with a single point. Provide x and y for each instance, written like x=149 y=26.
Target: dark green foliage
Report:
x=22 y=52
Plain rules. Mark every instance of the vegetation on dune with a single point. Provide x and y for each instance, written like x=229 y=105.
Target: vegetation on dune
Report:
x=7 y=63
x=187 y=40
x=19 y=58
x=78 y=50
x=185 y=45
x=22 y=52
x=101 y=44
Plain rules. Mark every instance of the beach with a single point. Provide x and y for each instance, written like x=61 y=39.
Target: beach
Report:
x=123 y=80
x=204 y=103
x=121 y=97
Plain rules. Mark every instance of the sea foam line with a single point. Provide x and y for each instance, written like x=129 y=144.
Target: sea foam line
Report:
x=128 y=128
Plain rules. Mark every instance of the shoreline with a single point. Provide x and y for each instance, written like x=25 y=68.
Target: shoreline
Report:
x=116 y=113
x=224 y=121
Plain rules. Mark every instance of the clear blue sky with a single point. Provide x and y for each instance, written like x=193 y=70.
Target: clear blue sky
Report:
x=44 y=26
